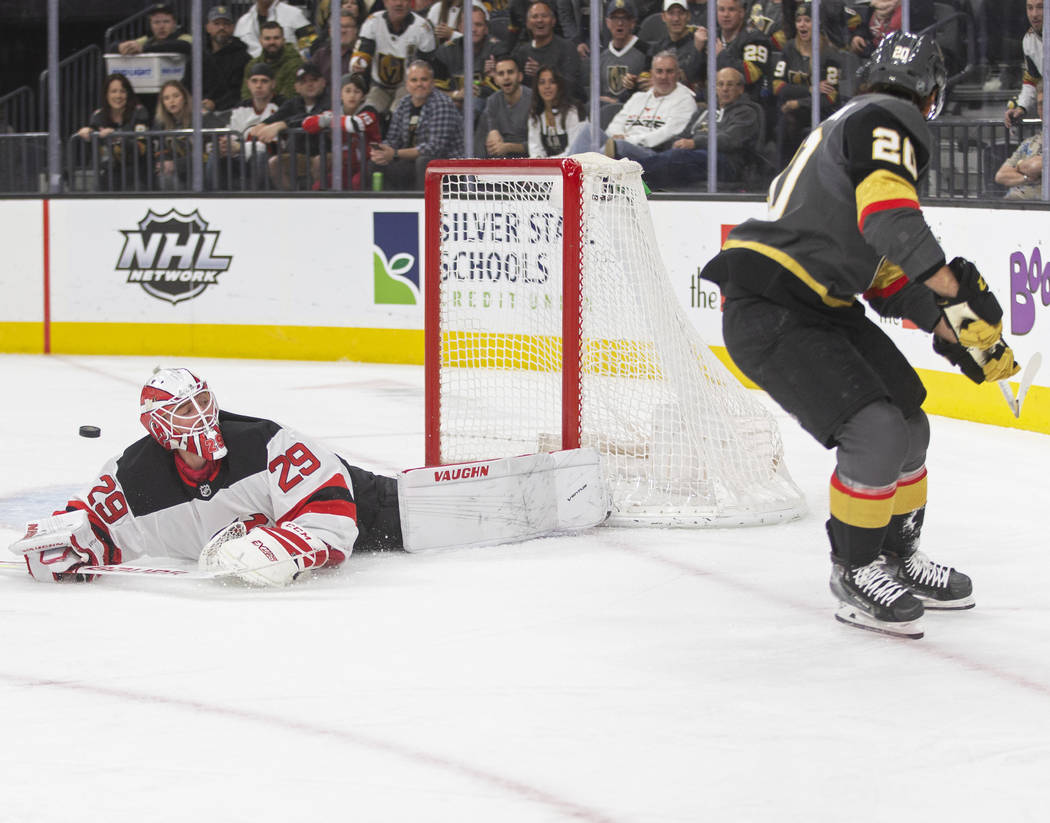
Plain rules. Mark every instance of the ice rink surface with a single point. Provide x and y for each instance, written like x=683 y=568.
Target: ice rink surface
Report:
x=618 y=675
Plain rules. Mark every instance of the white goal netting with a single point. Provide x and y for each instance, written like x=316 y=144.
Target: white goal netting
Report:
x=682 y=442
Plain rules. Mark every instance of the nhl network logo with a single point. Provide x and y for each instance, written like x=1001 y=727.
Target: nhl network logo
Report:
x=172 y=255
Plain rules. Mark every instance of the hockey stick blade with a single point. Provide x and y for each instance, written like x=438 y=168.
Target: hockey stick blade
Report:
x=1027 y=376
x=1008 y=395
x=1034 y=363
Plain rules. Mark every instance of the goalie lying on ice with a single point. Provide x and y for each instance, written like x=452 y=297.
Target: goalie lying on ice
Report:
x=265 y=503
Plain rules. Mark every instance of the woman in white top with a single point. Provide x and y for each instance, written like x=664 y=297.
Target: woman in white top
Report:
x=444 y=17
x=554 y=119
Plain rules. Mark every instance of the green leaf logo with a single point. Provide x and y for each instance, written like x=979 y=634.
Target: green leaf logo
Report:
x=392 y=287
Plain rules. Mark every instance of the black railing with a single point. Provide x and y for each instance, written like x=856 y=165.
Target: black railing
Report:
x=17 y=111
x=160 y=161
x=967 y=153
x=79 y=86
x=23 y=163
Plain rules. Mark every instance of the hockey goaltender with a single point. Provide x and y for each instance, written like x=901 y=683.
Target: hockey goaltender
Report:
x=250 y=499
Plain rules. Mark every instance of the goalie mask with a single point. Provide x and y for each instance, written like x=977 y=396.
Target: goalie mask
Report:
x=180 y=412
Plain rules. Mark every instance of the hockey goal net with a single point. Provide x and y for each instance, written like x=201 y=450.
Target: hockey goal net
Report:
x=551 y=323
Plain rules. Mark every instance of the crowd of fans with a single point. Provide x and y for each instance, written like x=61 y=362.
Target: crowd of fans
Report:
x=265 y=75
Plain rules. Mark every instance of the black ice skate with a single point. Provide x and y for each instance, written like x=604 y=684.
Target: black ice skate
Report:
x=873 y=600
x=937 y=586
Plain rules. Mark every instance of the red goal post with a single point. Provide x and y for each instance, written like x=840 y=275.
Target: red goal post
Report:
x=551 y=323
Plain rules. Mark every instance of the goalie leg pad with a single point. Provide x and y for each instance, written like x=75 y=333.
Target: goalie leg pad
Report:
x=502 y=500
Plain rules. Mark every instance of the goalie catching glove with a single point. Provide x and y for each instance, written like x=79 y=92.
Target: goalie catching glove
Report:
x=55 y=547
x=267 y=556
x=976 y=317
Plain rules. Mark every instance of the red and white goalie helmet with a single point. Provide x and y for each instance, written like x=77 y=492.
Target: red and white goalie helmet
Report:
x=180 y=412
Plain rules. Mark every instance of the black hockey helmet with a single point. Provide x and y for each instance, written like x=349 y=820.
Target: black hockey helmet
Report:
x=911 y=63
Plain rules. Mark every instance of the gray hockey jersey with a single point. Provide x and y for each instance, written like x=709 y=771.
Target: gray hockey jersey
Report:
x=844 y=216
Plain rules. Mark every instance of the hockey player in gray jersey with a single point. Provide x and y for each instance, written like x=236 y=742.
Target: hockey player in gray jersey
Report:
x=844 y=220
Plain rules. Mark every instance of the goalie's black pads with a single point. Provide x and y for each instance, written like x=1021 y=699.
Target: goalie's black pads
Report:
x=974 y=313
x=997 y=363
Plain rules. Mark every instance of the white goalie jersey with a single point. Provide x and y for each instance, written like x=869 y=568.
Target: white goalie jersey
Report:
x=146 y=503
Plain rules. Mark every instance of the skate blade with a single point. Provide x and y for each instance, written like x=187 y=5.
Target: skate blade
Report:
x=930 y=604
x=911 y=629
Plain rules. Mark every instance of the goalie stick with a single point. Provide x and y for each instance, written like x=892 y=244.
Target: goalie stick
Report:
x=1031 y=370
x=125 y=569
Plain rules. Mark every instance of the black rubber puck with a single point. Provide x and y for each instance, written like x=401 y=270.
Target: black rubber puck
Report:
x=90 y=431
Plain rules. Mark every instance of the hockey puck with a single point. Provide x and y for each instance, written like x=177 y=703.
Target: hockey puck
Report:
x=90 y=431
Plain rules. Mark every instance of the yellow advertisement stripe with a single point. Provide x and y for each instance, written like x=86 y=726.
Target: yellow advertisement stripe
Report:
x=255 y=342
x=610 y=358
x=22 y=338
x=950 y=395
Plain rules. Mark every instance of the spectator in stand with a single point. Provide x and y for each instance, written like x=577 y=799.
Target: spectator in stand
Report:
x=425 y=125
x=739 y=128
x=164 y=35
x=444 y=17
x=792 y=84
x=688 y=42
x=309 y=99
x=545 y=48
x=626 y=58
x=172 y=156
x=449 y=63
x=122 y=160
x=359 y=120
x=389 y=41
x=554 y=119
x=505 y=123
x=1032 y=46
x=280 y=56
x=324 y=11
x=737 y=45
x=767 y=16
x=347 y=37
x=223 y=169
x=882 y=17
x=1023 y=171
x=297 y=29
x=223 y=62
x=650 y=120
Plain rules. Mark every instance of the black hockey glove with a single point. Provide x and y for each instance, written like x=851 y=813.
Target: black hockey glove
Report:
x=974 y=314
x=977 y=320
x=996 y=363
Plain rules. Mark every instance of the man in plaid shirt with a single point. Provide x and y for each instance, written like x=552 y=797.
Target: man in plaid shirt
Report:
x=425 y=125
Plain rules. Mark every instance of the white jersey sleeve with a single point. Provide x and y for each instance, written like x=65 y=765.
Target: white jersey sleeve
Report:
x=1032 y=46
